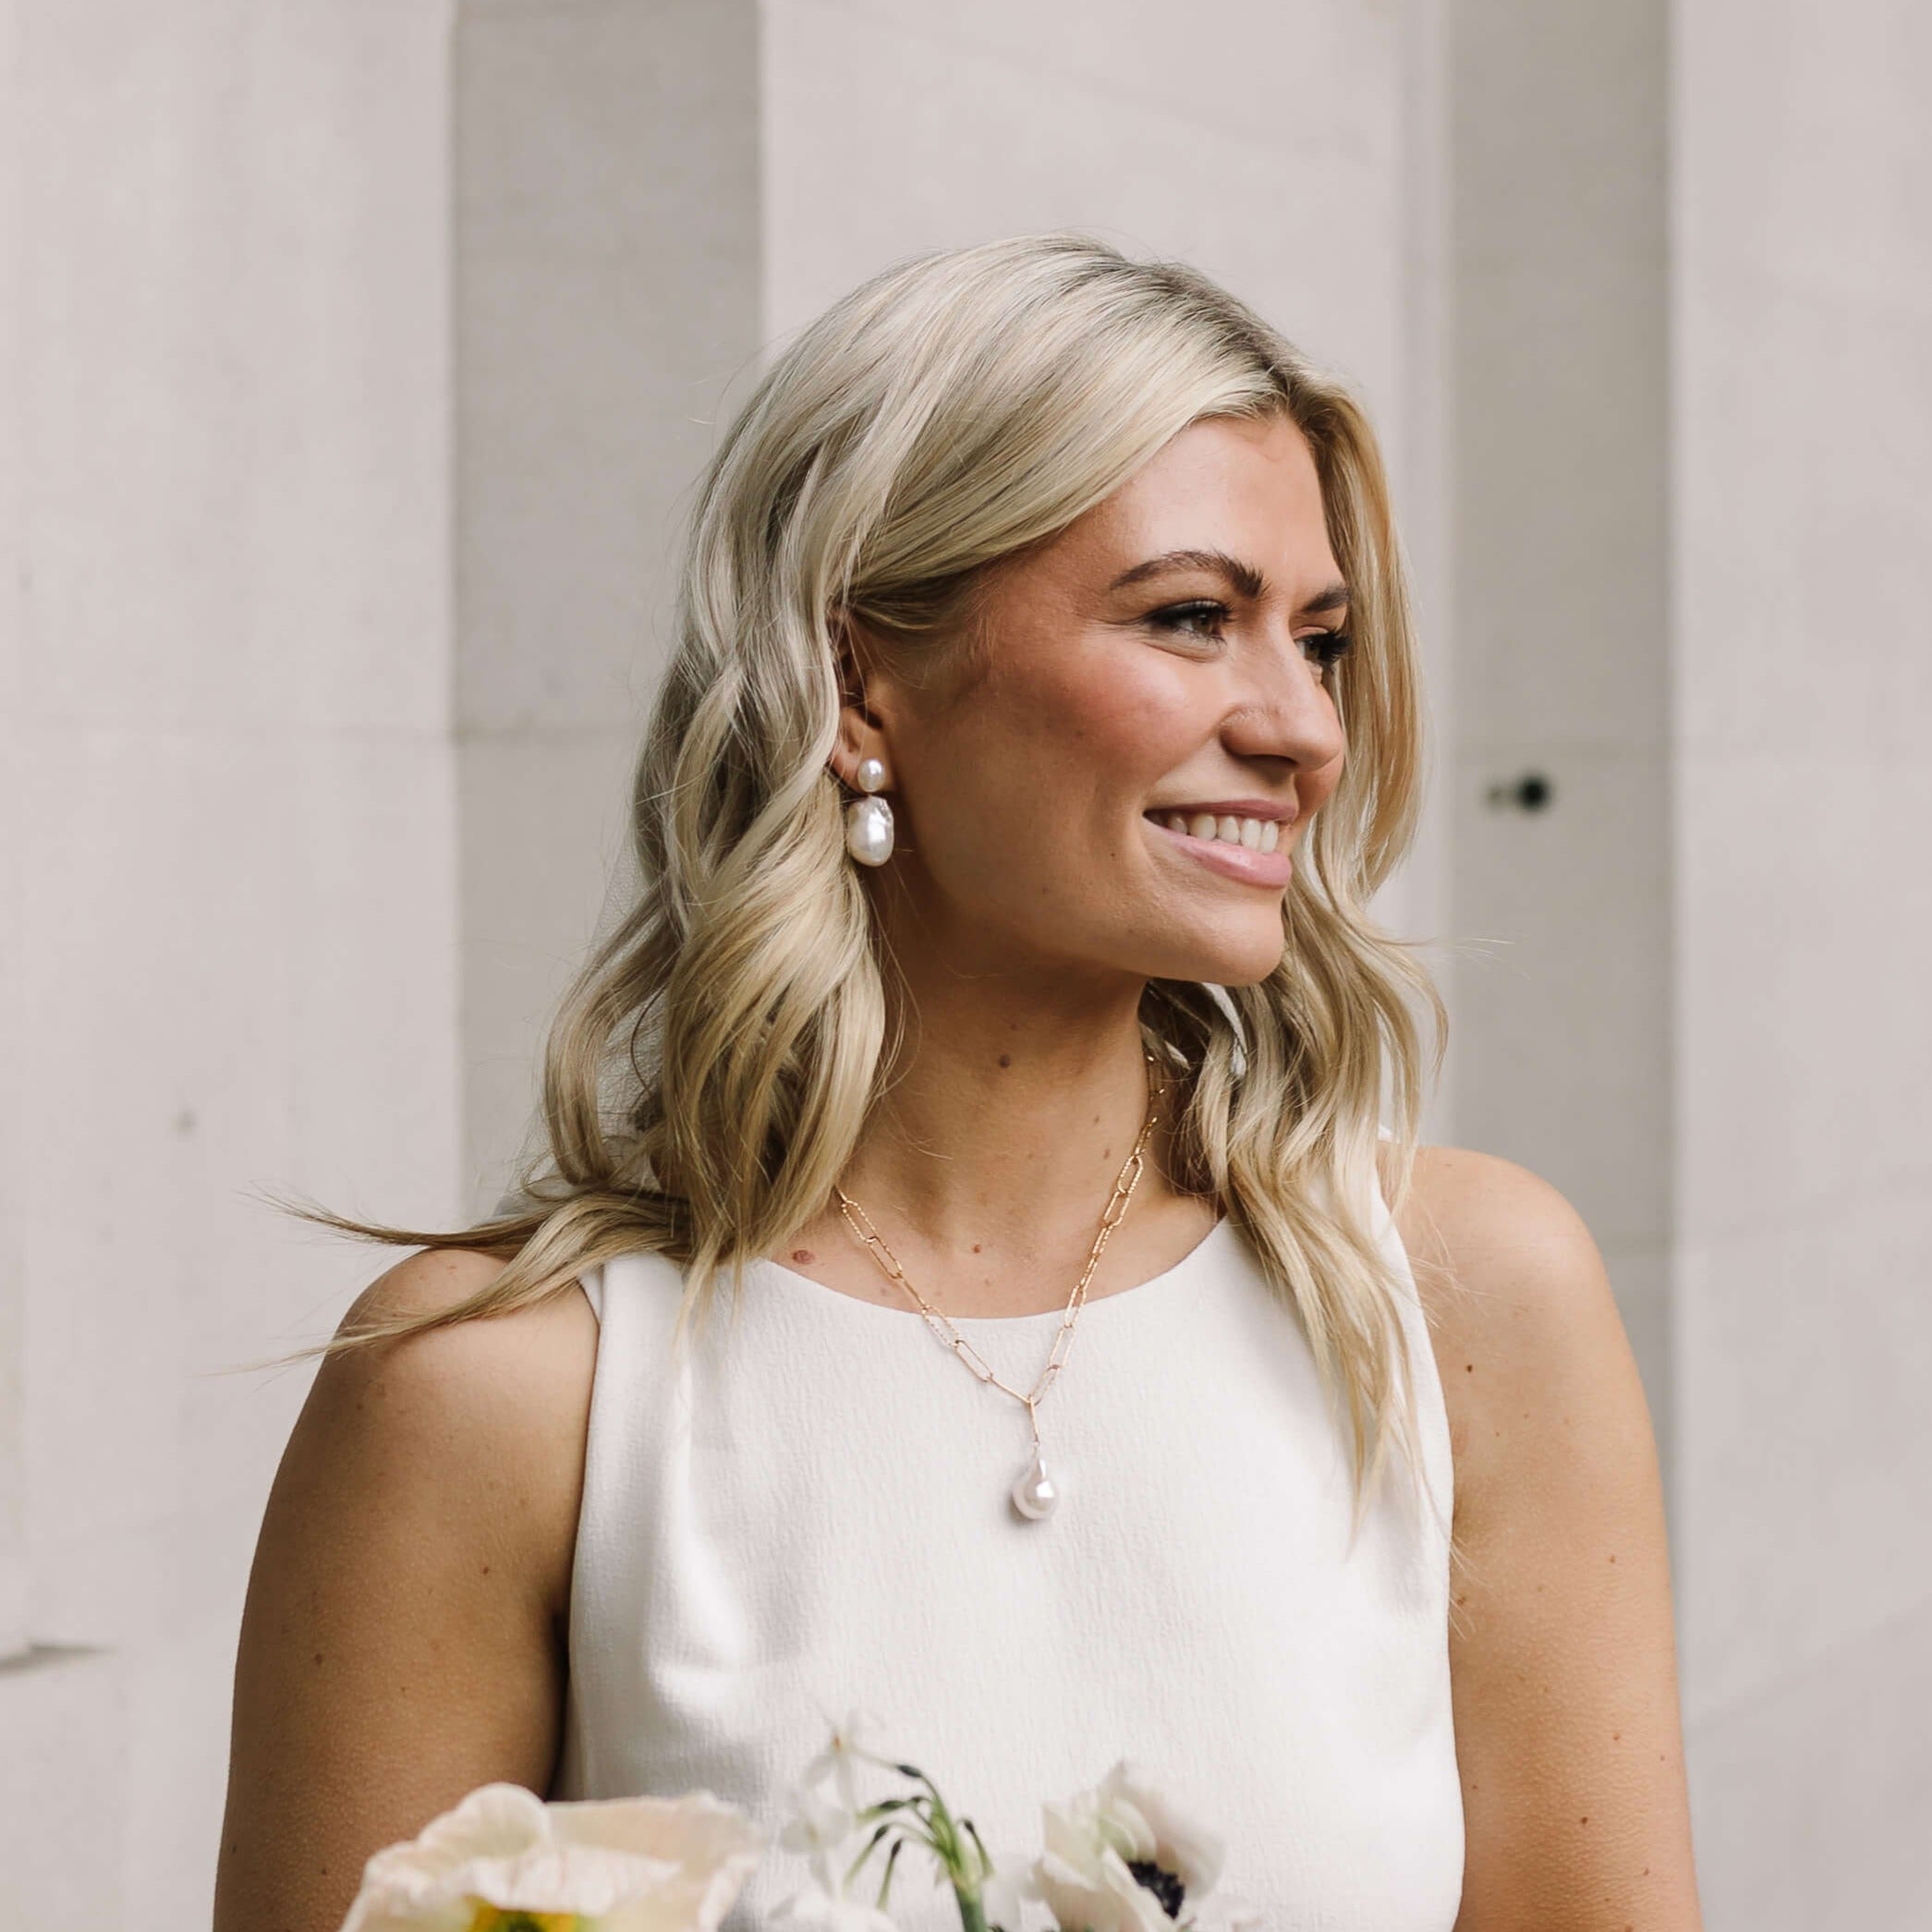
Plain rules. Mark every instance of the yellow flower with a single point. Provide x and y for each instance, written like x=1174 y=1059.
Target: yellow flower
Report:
x=504 y=1860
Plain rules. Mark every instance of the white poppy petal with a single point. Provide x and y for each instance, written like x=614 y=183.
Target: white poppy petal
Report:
x=491 y=1821
x=636 y=1865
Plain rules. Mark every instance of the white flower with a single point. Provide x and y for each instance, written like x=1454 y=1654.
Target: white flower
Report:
x=616 y=1864
x=1122 y=1857
x=1004 y=1892
x=820 y=1827
x=845 y=1749
x=824 y=1826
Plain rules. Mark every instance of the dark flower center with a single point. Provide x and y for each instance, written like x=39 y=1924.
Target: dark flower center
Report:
x=1161 y=1882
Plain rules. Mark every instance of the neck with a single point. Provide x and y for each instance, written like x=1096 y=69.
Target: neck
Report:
x=1004 y=1130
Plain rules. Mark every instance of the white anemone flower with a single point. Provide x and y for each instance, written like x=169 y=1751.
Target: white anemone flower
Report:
x=505 y=1861
x=1123 y=1857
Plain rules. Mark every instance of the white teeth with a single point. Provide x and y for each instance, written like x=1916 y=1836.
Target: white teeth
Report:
x=1256 y=834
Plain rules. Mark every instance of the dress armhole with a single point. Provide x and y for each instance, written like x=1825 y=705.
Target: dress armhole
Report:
x=591 y=1283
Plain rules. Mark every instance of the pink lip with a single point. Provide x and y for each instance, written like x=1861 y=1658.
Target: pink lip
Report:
x=1269 y=869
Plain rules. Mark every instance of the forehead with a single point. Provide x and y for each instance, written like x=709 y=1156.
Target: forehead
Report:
x=1246 y=487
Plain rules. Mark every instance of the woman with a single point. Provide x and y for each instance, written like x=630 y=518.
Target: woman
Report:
x=1000 y=1028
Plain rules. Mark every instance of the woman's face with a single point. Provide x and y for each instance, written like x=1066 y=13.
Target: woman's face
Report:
x=1127 y=675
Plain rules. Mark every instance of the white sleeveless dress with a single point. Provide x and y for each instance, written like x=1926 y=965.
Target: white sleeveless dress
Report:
x=813 y=1516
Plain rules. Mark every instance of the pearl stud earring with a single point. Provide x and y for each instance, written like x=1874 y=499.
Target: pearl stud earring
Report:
x=868 y=821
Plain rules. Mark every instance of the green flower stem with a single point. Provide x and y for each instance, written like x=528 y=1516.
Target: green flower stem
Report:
x=885 y=1877
x=955 y=1844
x=972 y=1912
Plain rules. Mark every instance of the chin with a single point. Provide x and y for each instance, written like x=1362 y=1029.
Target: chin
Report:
x=1234 y=964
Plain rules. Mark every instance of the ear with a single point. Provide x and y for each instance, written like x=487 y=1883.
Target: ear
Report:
x=852 y=653
x=863 y=683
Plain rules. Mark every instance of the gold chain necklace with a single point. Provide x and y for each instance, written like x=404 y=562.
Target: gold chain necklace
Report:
x=1034 y=1493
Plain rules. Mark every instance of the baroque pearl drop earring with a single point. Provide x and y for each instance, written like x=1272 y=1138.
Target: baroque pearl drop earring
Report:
x=869 y=821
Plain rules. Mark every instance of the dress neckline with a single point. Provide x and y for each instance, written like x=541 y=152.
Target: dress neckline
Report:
x=1155 y=1288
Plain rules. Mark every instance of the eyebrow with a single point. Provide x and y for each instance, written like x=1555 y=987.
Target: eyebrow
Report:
x=1244 y=577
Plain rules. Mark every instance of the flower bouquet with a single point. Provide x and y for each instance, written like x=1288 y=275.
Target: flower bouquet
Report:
x=1119 y=1857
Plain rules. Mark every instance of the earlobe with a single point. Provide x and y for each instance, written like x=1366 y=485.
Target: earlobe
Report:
x=868 y=769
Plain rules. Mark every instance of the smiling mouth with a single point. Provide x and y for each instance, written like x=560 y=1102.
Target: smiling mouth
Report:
x=1239 y=832
x=1227 y=858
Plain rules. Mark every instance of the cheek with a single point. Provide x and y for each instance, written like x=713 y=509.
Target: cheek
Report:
x=1114 y=726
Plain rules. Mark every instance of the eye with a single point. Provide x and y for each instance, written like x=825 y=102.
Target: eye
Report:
x=1331 y=646
x=1177 y=617
x=1181 y=619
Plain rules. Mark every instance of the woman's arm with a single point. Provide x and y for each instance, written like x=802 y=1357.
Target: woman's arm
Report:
x=1568 y=1728
x=404 y=1635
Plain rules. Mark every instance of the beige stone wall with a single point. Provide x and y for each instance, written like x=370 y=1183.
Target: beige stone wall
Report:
x=228 y=845
x=607 y=272
x=1802 y=211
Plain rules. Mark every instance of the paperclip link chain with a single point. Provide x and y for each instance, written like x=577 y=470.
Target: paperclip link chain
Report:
x=1123 y=1186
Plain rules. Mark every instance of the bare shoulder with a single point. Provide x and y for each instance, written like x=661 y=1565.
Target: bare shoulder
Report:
x=1564 y=1657
x=498 y=1395
x=403 y=1638
x=1516 y=1292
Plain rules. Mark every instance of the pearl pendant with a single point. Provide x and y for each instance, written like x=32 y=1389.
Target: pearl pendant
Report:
x=868 y=831
x=1034 y=1494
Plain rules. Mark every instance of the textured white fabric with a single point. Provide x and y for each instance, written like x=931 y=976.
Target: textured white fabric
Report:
x=813 y=1516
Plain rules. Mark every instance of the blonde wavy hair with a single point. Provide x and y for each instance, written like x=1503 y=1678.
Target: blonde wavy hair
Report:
x=712 y=1066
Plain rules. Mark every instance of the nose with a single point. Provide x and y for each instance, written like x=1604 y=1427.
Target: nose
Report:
x=1286 y=709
